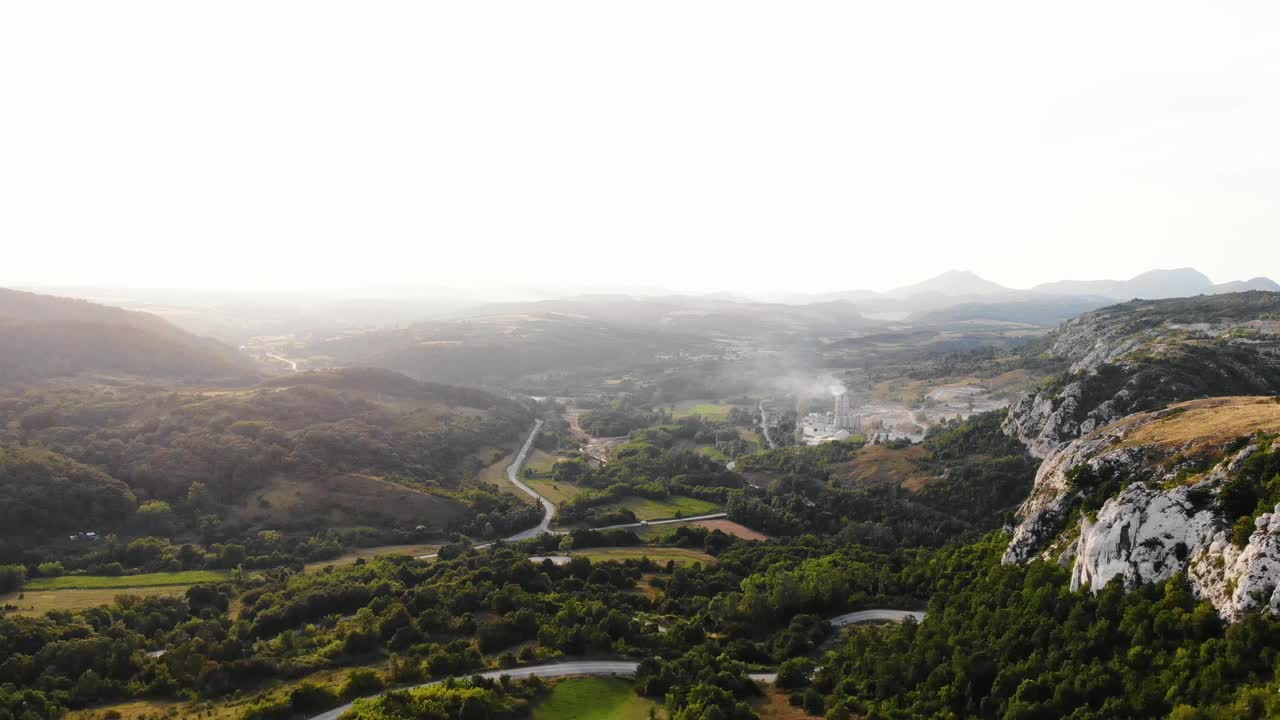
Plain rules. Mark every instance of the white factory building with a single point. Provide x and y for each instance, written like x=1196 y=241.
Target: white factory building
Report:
x=838 y=424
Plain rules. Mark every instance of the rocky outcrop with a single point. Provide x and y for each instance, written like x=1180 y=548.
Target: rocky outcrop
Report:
x=1158 y=511
x=1046 y=510
x=1144 y=354
x=1241 y=581
x=1141 y=535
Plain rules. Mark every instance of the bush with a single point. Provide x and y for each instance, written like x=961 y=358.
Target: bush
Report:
x=361 y=682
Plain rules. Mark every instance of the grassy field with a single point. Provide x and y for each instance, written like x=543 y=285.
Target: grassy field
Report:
x=373 y=552
x=594 y=699
x=711 y=411
x=39 y=602
x=541 y=462
x=557 y=493
x=681 y=556
x=496 y=475
x=99 y=582
x=711 y=452
x=725 y=526
x=646 y=509
x=227 y=709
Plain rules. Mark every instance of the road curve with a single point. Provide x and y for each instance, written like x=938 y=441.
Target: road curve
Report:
x=513 y=474
x=878 y=615
x=565 y=669
x=668 y=521
x=628 y=668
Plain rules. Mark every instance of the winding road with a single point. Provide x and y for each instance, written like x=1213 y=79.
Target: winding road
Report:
x=628 y=668
x=513 y=474
x=612 y=667
x=764 y=426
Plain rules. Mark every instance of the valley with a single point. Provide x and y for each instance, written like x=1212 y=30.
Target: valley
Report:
x=711 y=528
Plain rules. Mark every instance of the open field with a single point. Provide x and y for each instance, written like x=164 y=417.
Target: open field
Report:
x=594 y=698
x=660 y=555
x=541 y=462
x=227 y=709
x=97 y=582
x=647 y=509
x=39 y=602
x=557 y=493
x=1200 y=424
x=881 y=465
x=711 y=452
x=727 y=527
x=495 y=474
x=711 y=411
x=345 y=500
x=371 y=553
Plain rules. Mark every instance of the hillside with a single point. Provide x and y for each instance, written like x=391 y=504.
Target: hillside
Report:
x=44 y=492
x=1192 y=488
x=309 y=451
x=1141 y=355
x=42 y=336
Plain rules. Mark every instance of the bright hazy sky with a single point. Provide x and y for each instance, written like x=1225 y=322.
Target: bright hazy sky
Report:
x=692 y=145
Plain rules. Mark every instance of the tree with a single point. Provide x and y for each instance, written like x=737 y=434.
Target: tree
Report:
x=12 y=578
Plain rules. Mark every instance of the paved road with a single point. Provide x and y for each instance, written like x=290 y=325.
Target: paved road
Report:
x=513 y=474
x=626 y=667
x=764 y=426
x=582 y=667
x=668 y=521
x=863 y=616
x=286 y=361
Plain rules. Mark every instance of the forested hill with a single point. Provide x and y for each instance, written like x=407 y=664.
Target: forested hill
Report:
x=42 y=336
x=315 y=450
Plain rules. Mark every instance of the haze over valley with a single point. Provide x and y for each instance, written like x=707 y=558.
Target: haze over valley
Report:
x=651 y=361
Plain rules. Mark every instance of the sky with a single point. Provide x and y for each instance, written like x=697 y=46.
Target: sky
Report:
x=694 y=146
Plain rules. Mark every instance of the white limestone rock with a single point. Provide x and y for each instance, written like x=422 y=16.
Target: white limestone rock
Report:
x=1142 y=535
x=1239 y=581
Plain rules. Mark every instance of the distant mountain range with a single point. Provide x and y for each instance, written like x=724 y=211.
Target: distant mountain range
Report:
x=963 y=296
x=1156 y=285
x=1151 y=285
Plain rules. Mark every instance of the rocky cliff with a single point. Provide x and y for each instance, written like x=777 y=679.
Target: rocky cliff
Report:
x=1192 y=488
x=1141 y=355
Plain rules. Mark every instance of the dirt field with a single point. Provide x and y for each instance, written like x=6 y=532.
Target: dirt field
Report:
x=729 y=527
x=775 y=706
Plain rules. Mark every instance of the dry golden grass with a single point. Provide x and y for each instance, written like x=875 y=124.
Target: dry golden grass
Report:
x=660 y=555
x=881 y=465
x=729 y=527
x=775 y=706
x=346 y=500
x=1200 y=425
x=39 y=602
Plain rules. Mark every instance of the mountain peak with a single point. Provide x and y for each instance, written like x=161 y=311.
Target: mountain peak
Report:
x=952 y=282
